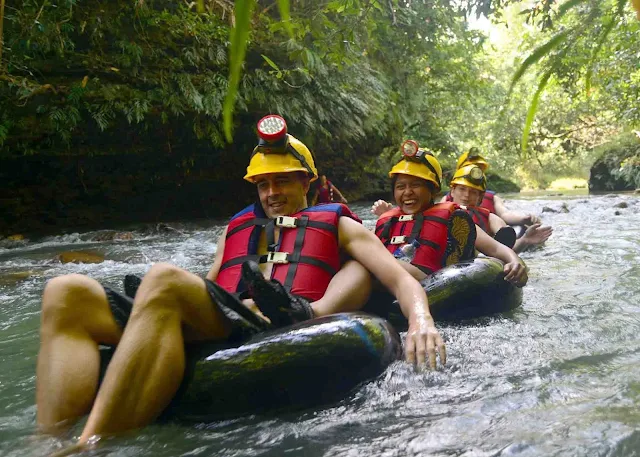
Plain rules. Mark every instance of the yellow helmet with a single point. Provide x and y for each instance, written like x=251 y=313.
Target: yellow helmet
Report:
x=470 y=176
x=418 y=162
x=472 y=157
x=279 y=152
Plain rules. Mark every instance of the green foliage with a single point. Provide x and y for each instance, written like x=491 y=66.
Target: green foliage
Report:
x=618 y=164
x=532 y=111
x=499 y=184
x=587 y=28
x=537 y=54
x=239 y=38
x=352 y=78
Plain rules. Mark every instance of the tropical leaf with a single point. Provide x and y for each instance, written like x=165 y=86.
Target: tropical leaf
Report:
x=239 y=39
x=270 y=62
x=533 y=108
x=537 y=55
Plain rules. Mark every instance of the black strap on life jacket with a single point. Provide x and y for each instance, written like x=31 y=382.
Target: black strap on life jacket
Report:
x=293 y=258
x=385 y=229
x=418 y=221
x=478 y=216
x=258 y=221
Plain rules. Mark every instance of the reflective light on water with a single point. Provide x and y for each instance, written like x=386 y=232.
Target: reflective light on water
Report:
x=559 y=376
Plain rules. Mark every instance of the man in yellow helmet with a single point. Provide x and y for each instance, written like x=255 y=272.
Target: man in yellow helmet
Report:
x=468 y=187
x=173 y=307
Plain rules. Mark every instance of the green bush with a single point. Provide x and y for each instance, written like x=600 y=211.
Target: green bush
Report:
x=617 y=166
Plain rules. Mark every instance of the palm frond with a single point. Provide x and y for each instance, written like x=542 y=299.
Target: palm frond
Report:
x=537 y=55
x=533 y=108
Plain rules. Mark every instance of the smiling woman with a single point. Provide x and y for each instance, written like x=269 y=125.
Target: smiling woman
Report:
x=412 y=193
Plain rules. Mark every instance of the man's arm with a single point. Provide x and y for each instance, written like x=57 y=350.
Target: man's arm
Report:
x=366 y=248
x=513 y=217
x=514 y=269
x=217 y=262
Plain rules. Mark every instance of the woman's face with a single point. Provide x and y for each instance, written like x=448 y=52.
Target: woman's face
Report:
x=413 y=195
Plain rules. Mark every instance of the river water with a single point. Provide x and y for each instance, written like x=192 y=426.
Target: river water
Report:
x=559 y=376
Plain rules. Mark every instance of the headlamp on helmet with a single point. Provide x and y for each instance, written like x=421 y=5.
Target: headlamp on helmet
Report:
x=475 y=175
x=413 y=152
x=272 y=131
x=410 y=148
x=474 y=153
x=418 y=162
x=279 y=152
x=472 y=157
x=470 y=176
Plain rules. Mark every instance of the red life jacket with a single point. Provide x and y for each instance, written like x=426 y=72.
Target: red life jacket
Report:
x=305 y=258
x=325 y=195
x=429 y=229
x=487 y=201
x=480 y=217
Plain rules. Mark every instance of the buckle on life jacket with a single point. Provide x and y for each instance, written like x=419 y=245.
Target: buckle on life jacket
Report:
x=278 y=257
x=405 y=218
x=400 y=239
x=286 y=221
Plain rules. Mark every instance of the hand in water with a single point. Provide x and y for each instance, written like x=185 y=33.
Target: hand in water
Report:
x=531 y=219
x=380 y=207
x=516 y=273
x=422 y=340
x=536 y=234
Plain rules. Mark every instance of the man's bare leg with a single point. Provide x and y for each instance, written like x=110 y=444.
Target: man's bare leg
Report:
x=171 y=306
x=75 y=318
x=348 y=290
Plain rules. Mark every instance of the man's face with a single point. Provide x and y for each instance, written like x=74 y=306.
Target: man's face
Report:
x=412 y=194
x=282 y=194
x=465 y=195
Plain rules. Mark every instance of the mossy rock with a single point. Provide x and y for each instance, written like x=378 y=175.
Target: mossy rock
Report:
x=617 y=167
x=80 y=257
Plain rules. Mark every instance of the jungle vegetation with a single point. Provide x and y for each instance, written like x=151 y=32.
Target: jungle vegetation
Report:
x=142 y=88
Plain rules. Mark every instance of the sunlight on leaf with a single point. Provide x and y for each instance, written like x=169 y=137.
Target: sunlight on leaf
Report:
x=538 y=54
x=239 y=39
x=283 y=6
x=531 y=114
x=270 y=62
